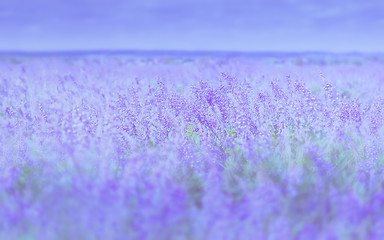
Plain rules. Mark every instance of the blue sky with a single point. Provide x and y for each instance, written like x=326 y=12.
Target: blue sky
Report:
x=228 y=25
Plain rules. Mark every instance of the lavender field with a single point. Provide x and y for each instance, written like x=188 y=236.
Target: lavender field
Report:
x=119 y=147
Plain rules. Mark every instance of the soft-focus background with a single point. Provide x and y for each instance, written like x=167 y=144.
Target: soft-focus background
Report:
x=226 y=25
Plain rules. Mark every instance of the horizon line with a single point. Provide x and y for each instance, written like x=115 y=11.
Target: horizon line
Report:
x=172 y=52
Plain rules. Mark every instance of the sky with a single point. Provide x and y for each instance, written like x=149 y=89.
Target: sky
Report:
x=192 y=25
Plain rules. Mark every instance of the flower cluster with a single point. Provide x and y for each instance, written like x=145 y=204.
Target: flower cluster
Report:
x=131 y=148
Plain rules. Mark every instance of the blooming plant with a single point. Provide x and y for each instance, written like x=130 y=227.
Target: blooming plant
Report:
x=132 y=148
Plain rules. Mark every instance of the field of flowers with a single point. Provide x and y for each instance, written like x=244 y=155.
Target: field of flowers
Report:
x=110 y=147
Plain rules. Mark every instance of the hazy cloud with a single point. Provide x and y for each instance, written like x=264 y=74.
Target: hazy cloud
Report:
x=290 y=25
